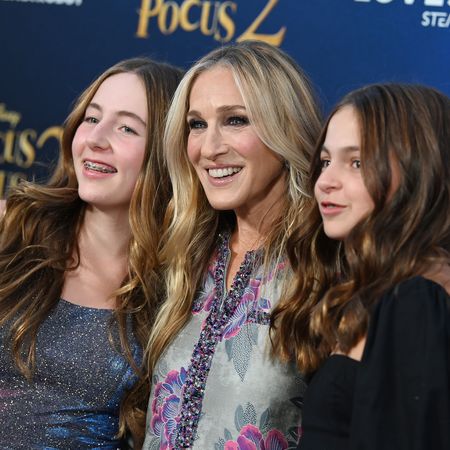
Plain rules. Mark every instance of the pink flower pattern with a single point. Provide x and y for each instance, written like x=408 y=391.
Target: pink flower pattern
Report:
x=250 y=306
x=251 y=438
x=169 y=395
x=166 y=408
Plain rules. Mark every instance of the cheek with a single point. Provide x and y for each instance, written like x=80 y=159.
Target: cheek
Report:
x=250 y=147
x=77 y=143
x=317 y=190
x=370 y=205
x=193 y=151
x=138 y=159
x=138 y=165
x=366 y=203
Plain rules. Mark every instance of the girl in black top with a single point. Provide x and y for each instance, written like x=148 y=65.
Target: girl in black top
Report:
x=371 y=307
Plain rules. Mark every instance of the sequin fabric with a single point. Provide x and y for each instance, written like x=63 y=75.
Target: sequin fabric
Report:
x=216 y=387
x=223 y=307
x=73 y=400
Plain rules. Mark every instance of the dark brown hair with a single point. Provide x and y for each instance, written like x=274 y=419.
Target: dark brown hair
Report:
x=405 y=128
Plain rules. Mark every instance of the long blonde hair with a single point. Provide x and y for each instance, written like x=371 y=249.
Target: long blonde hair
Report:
x=282 y=107
x=38 y=236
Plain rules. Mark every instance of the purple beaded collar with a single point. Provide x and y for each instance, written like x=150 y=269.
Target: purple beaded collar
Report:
x=222 y=309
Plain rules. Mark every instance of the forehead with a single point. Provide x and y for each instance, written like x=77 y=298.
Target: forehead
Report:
x=215 y=85
x=122 y=92
x=343 y=130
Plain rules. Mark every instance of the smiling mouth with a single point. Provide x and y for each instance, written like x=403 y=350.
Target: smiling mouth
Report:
x=96 y=167
x=224 y=172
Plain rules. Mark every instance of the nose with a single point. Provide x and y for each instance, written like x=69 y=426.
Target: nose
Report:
x=213 y=143
x=329 y=179
x=98 y=138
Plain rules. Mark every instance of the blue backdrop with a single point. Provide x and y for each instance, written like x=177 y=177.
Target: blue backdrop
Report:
x=52 y=49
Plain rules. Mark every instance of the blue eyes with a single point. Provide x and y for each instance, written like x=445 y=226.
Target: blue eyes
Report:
x=237 y=120
x=196 y=124
x=125 y=128
x=234 y=121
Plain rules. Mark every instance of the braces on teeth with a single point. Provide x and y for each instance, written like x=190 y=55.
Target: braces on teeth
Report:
x=98 y=167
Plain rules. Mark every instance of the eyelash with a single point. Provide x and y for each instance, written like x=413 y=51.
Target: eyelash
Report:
x=324 y=163
x=128 y=129
x=234 y=121
x=196 y=124
x=237 y=121
x=125 y=128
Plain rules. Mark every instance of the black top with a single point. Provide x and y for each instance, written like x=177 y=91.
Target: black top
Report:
x=398 y=396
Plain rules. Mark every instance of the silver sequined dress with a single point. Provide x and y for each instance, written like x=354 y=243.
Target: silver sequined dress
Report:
x=73 y=401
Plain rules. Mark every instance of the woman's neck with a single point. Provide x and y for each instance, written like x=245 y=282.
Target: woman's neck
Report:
x=103 y=235
x=103 y=260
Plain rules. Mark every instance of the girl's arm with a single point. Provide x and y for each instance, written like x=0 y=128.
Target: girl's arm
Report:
x=402 y=395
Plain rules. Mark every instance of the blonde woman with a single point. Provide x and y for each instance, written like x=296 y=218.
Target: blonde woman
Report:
x=238 y=140
x=78 y=281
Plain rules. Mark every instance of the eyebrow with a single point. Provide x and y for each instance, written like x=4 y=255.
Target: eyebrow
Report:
x=121 y=113
x=346 y=149
x=221 y=109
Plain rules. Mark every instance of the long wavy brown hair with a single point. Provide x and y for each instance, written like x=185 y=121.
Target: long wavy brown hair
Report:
x=282 y=106
x=38 y=238
x=406 y=129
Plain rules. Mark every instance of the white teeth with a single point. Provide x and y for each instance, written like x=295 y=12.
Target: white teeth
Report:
x=224 y=172
x=99 y=167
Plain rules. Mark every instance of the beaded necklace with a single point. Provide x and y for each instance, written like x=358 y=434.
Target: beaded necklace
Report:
x=221 y=311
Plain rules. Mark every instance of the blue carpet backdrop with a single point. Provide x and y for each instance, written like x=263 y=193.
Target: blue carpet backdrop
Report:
x=52 y=49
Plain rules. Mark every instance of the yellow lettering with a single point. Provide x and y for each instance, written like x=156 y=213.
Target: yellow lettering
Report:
x=14 y=178
x=184 y=15
x=9 y=179
x=26 y=148
x=8 y=147
x=52 y=132
x=226 y=21
x=273 y=39
x=2 y=183
x=162 y=18
x=12 y=117
x=204 y=19
x=145 y=13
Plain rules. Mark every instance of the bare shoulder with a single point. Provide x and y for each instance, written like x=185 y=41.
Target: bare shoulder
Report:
x=2 y=206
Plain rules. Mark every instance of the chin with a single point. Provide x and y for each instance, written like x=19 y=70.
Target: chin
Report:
x=337 y=235
x=220 y=206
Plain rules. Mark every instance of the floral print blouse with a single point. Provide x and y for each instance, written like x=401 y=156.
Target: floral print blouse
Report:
x=216 y=386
